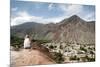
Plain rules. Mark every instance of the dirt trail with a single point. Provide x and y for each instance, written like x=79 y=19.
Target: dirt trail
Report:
x=29 y=57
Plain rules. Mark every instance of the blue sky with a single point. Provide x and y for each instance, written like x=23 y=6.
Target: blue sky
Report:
x=27 y=11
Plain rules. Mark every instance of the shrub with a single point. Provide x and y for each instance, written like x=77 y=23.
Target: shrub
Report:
x=89 y=48
x=58 y=57
x=51 y=47
x=16 y=42
x=55 y=46
x=82 y=48
x=91 y=52
x=89 y=59
x=61 y=47
x=74 y=58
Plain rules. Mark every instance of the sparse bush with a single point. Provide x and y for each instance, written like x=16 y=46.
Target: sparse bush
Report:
x=89 y=48
x=89 y=59
x=78 y=44
x=91 y=52
x=94 y=48
x=55 y=46
x=82 y=48
x=84 y=59
x=74 y=58
x=61 y=47
x=51 y=47
x=58 y=57
x=80 y=52
x=65 y=50
x=16 y=42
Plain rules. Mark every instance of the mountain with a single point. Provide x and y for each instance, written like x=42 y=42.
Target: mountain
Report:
x=72 y=29
x=27 y=28
x=75 y=29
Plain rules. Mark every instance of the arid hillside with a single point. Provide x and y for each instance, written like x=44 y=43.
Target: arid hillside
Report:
x=72 y=29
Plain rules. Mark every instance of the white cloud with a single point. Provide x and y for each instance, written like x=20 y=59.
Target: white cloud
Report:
x=68 y=10
x=87 y=2
x=14 y=9
x=23 y=14
x=71 y=9
x=54 y=20
x=74 y=9
x=90 y=16
x=23 y=17
x=50 y=7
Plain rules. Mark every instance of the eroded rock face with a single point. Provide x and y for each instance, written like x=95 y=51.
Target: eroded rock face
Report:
x=27 y=57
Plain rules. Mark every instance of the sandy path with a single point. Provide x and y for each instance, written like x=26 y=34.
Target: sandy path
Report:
x=29 y=57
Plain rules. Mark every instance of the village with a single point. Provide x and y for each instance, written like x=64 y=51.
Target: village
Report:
x=73 y=52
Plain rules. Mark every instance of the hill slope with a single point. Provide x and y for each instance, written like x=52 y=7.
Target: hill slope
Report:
x=72 y=29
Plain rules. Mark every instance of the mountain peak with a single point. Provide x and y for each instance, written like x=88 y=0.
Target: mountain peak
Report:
x=74 y=17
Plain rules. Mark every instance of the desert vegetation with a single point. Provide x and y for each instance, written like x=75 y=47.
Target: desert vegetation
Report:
x=75 y=52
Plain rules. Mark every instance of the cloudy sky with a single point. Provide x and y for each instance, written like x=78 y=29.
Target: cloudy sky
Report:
x=27 y=11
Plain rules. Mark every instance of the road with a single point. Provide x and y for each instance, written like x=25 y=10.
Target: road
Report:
x=29 y=57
